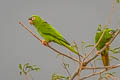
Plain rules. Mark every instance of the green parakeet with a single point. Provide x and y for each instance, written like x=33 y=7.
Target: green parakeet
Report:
x=106 y=37
x=49 y=33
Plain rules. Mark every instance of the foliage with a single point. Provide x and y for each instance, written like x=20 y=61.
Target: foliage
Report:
x=115 y=50
x=117 y=1
x=59 y=77
x=105 y=75
x=26 y=68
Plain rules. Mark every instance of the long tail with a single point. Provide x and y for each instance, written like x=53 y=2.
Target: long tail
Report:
x=105 y=58
x=70 y=48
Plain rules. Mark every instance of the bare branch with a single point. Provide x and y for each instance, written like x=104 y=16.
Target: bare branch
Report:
x=90 y=75
x=111 y=14
x=74 y=74
x=65 y=67
x=96 y=73
x=113 y=66
x=80 y=66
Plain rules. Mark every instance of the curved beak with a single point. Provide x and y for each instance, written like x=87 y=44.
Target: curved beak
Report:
x=30 y=21
x=114 y=31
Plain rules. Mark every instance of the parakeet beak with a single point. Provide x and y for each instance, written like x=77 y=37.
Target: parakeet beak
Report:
x=30 y=21
x=114 y=31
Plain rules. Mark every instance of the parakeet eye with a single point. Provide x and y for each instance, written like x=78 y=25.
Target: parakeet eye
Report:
x=33 y=18
x=110 y=32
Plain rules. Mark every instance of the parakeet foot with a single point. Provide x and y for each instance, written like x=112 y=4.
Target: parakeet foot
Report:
x=108 y=44
x=44 y=43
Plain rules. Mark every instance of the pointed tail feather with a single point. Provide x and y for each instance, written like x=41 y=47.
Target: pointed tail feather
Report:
x=105 y=58
x=70 y=48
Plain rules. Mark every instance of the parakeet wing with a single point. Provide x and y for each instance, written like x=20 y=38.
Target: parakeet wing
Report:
x=50 y=31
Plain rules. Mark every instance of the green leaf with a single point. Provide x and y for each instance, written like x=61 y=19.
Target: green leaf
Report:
x=27 y=68
x=20 y=73
x=117 y=1
x=59 y=77
x=26 y=64
x=99 y=27
x=30 y=67
x=66 y=65
x=74 y=46
x=34 y=65
x=113 y=57
x=98 y=58
x=89 y=45
x=20 y=67
x=37 y=69
x=103 y=76
x=83 y=42
x=115 y=50
x=111 y=73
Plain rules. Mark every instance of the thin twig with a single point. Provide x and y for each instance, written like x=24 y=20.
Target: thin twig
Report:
x=77 y=72
x=109 y=76
x=96 y=73
x=74 y=74
x=111 y=14
x=78 y=51
x=80 y=69
x=91 y=64
x=77 y=48
x=30 y=76
x=90 y=75
x=79 y=60
x=95 y=65
x=113 y=66
x=73 y=61
x=48 y=45
x=65 y=67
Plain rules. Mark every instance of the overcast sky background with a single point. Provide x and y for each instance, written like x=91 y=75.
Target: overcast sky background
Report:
x=74 y=19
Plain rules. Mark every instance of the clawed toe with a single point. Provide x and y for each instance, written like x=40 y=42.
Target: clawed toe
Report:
x=44 y=43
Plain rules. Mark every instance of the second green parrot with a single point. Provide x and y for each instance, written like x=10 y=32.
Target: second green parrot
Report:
x=49 y=33
x=106 y=37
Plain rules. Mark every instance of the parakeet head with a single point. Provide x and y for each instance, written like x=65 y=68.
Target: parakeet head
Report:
x=106 y=37
x=34 y=19
x=109 y=33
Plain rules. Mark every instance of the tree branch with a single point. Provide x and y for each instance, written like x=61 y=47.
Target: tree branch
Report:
x=74 y=74
x=97 y=53
x=65 y=67
x=96 y=73
x=48 y=45
x=113 y=66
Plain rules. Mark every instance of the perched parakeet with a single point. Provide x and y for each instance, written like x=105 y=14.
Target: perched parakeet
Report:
x=49 y=33
x=106 y=37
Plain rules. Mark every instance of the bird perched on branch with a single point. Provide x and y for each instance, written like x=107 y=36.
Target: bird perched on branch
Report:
x=106 y=38
x=49 y=33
